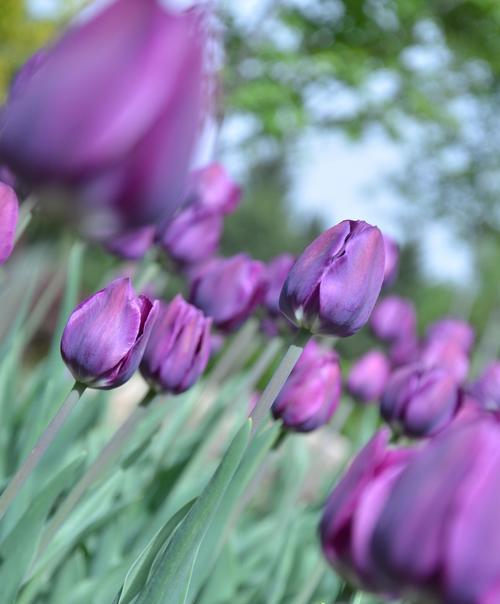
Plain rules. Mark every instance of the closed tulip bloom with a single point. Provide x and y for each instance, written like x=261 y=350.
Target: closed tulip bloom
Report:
x=109 y=115
x=179 y=347
x=105 y=336
x=311 y=394
x=229 y=289
x=276 y=273
x=352 y=510
x=447 y=354
x=404 y=351
x=132 y=245
x=486 y=389
x=391 y=266
x=214 y=190
x=437 y=537
x=394 y=319
x=452 y=330
x=335 y=283
x=420 y=401
x=368 y=376
x=9 y=214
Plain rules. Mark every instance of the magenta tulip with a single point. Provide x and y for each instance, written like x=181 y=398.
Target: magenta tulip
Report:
x=368 y=376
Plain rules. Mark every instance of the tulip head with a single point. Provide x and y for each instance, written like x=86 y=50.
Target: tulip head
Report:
x=132 y=245
x=276 y=273
x=486 y=389
x=420 y=401
x=333 y=286
x=311 y=394
x=105 y=336
x=368 y=376
x=453 y=330
x=179 y=347
x=391 y=266
x=214 y=190
x=9 y=214
x=394 y=319
x=447 y=354
x=228 y=290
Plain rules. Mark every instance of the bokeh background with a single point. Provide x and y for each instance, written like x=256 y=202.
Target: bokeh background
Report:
x=378 y=109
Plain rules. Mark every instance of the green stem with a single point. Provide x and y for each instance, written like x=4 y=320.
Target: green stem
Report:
x=25 y=218
x=97 y=470
x=232 y=355
x=39 y=450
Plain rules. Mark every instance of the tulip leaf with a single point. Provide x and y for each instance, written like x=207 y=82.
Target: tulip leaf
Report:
x=171 y=572
x=19 y=546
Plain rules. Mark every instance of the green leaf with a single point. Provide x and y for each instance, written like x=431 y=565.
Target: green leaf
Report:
x=170 y=574
x=19 y=546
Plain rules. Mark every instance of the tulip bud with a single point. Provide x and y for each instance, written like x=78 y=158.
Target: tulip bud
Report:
x=452 y=330
x=105 y=336
x=404 y=351
x=276 y=273
x=391 y=266
x=486 y=389
x=9 y=214
x=179 y=347
x=333 y=286
x=311 y=394
x=368 y=377
x=132 y=245
x=419 y=401
x=228 y=290
x=109 y=116
x=394 y=319
x=436 y=539
x=448 y=355
x=214 y=190
x=354 y=506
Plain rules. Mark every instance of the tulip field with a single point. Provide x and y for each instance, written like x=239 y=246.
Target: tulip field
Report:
x=182 y=426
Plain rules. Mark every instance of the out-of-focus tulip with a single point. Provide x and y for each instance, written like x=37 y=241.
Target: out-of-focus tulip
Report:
x=394 y=319
x=311 y=394
x=9 y=213
x=178 y=349
x=276 y=273
x=452 y=330
x=404 y=351
x=107 y=119
x=446 y=354
x=228 y=290
x=436 y=538
x=7 y=177
x=105 y=336
x=132 y=245
x=486 y=389
x=420 y=401
x=353 y=508
x=335 y=283
x=368 y=376
x=391 y=266
x=214 y=190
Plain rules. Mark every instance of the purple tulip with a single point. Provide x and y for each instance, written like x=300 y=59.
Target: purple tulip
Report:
x=228 y=290
x=335 y=283
x=193 y=236
x=214 y=190
x=420 y=401
x=446 y=354
x=105 y=336
x=436 y=538
x=352 y=510
x=311 y=394
x=276 y=273
x=394 y=319
x=391 y=266
x=108 y=118
x=9 y=214
x=404 y=351
x=7 y=177
x=486 y=389
x=179 y=347
x=452 y=330
x=368 y=376
x=132 y=245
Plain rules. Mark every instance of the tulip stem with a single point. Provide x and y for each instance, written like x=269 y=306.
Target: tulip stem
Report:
x=40 y=448
x=26 y=214
x=97 y=469
x=278 y=380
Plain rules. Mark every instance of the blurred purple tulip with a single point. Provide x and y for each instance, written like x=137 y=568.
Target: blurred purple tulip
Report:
x=404 y=351
x=179 y=347
x=132 y=245
x=352 y=510
x=7 y=177
x=394 y=319
x=446 y=354
x=391 y=266
x=214 y=190
x=9 y=214
x=368 y=376
x=486 y=389
x=452 y=330
x=436 y=538
x=420 y=401
x=276 y=273
x=335 y=283
x=229 y=289
x=311 y=394
x=107 y=119
x=105 y=336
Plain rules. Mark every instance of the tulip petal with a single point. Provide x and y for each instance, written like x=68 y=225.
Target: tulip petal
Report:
x=9 y=213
